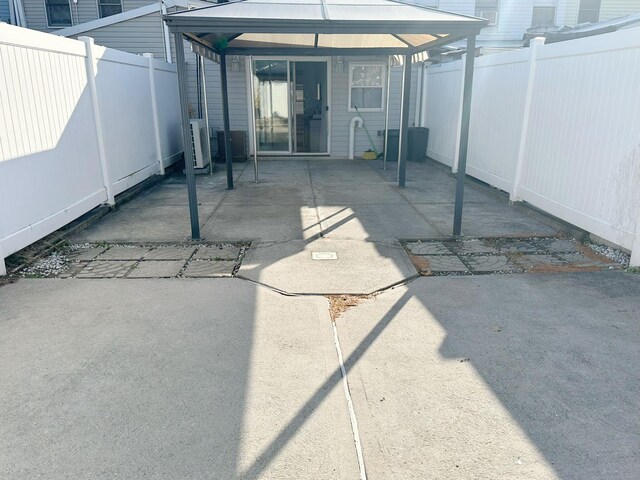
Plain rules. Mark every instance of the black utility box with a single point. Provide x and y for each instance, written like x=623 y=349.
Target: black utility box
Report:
x=238 y=146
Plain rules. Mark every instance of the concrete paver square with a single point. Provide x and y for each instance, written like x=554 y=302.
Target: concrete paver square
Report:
x=519 y=246
x=157 y=269
x=169 y=379
x=124 y=253
x=428 y=248
x=490 y=263
x=170 y=253
x=215 y=252
x=537 y=261
x=558 y=245
x=445 y=263
x=209 y=268
x=106 y=269
x=84 y=254
x=73 y=268
x=581 y=260
x=466 y=247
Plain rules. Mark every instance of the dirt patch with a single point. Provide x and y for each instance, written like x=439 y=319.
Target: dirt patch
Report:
x=421 y=264
x=590 y=254
x=338 y=304
x=550 y=268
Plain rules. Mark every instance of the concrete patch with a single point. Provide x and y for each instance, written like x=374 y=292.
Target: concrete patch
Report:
x=362 y=267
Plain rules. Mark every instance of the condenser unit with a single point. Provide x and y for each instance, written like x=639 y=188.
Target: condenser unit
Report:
x=200 y=143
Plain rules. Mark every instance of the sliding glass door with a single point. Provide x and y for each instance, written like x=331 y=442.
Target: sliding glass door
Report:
x=291 y=106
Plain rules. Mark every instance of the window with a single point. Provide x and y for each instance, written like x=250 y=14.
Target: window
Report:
x=58 y=13
x=107 y=8
x=488 y=9
x=543 y=16
x=589 y=11
x=366 y=86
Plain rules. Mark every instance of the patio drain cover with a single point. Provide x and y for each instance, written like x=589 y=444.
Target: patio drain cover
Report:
x=324 y=255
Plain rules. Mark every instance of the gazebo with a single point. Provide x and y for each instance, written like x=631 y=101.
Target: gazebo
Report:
x=320 y=28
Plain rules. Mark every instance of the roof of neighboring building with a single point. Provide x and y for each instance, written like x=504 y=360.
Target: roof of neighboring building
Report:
x=560 y=34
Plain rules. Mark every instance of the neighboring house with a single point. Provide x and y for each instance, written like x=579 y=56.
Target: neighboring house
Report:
x=5 y=11
x=511 y=18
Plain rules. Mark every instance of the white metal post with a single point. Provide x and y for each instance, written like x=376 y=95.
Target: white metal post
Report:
x=400 y=145
x=206 y=111
x=533 y=53
x=165 y=31
x=425 y=93
x=456 y=155
x=92 y=64
x=154 y=113
x=635 y=249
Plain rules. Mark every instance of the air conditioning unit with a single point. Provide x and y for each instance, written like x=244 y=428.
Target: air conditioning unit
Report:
x=200 y=143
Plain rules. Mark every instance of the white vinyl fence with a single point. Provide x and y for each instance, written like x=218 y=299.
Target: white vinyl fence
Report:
x=555 y=125
x=79 y=124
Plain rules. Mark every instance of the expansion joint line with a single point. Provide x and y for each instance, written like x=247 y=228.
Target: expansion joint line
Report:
x=352 y=412
x=315 y=200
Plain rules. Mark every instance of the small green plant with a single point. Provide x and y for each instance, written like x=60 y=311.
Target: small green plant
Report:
x=635 y=270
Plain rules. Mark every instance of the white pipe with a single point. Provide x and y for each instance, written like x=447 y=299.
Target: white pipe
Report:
x=386 y=115
x=355 y=121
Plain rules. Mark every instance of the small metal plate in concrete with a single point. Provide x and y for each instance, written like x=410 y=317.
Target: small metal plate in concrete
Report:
x=121 y=252
x=428 y=248
x=170 y=253
x=324 y=256
x=215 y=252
x=157 y=269
x=209 y=268
x=491 y=263
x=445 y=263
x=106 y=269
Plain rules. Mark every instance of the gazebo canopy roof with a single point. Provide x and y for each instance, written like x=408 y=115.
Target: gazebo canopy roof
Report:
x=320 y=27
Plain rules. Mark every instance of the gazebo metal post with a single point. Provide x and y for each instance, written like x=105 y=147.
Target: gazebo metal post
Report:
x=186 y=138
x=225 y=120
x=404 y=125
x=464 y=133
x=386 y=115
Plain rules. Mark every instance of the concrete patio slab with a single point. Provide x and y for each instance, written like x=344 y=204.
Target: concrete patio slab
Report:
x=131 y=223
x=360 y=268
x=269 y=223
x=358 y=194
x=214 y=252
x=375 y=222
x=170 y=253
x=527 y=376
x=131 y=383
x=157 y=269
x=260 y=194
x=486 y=220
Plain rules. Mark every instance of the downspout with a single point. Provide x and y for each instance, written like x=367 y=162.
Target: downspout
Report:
x=165 y=28
x=355 y=121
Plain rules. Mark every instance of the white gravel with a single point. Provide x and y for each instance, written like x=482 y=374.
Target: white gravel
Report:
x=50 y=266
x=611 y=253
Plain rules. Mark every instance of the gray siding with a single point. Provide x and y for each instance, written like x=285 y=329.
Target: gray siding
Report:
x=137 y=35
x=4 y=10
x=81 y=12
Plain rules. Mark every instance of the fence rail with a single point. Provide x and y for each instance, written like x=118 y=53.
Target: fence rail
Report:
x=79 y=123
x=555 y=125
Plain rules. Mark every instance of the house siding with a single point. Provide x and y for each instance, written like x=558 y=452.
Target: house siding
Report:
x=137 y=35
x=4 y=11
x=81 y=12
x=618 y=8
